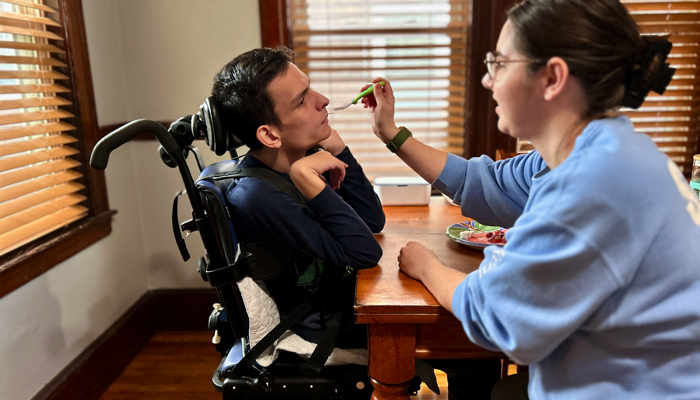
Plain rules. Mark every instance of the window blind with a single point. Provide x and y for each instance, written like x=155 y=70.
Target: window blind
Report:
x=39 y=188
x=671 y=119
x=419 y=45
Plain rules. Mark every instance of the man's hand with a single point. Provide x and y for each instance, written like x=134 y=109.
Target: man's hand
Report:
x=307 y=173
x=415 y=259
x=334 y=144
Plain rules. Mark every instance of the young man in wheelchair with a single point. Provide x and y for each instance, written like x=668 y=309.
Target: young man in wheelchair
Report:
x=267 y=102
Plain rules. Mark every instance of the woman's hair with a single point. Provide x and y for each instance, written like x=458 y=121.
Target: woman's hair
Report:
x=241 y=88
x=600 y=43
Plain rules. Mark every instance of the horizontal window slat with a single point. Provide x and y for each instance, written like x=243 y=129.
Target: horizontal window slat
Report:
x=335 y=14
x=37 y=197
x=22 y=189
x=29 y=32
x=661 y=114
x=28 y=18
x=12 y=162
x=20 y=146
x=460 y=58
x=664 y=143
x=668 y=27
x=20 y=236
x=671 y=130
x=368 y=75
x=666 y=16
x=30 y=102
x=659 y=6
x=14 y=118
x=669 y=135
x=31 y=130
x=38 y=74
x=41 y=88
x=44 y=61
x=32 y=4
x=457 y=45
x=36 y=170
x=376 y=70
x=31 y=46
x=303 y=35
x=462 y=3
x=30 y=215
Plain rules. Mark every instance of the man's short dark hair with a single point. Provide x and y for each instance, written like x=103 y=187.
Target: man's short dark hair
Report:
x=241 y=88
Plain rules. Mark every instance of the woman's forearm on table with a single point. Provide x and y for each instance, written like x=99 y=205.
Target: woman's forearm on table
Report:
x=442 y=282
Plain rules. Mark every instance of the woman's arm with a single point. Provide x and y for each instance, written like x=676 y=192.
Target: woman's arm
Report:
x=427 y=161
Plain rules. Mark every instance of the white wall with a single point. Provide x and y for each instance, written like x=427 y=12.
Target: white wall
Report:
x=150 y=59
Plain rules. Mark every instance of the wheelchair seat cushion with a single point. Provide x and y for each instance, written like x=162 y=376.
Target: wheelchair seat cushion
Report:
x=263 y=316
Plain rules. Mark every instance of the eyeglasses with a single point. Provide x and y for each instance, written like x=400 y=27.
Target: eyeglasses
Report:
x=493 y=65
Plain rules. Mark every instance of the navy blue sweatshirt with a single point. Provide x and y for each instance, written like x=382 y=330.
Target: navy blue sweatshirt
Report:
x=337 y=227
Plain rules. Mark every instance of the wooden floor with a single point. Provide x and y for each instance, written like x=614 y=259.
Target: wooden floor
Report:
x=179 y=365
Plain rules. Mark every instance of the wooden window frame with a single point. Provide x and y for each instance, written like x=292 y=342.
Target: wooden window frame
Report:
x=29 y=261
x=481 y=135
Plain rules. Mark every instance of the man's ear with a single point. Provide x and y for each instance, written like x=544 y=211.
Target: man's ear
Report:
x=268 y=135
x=556 y=76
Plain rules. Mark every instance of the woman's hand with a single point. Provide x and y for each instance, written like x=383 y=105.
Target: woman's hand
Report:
x=333 y=144
x=415 y=260
x=307 y=173
x=382 y=104
x=420 y=263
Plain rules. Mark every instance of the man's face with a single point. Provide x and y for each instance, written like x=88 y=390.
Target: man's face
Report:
x=301 y=110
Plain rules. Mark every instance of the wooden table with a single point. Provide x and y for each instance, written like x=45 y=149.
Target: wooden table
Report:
x=405 y=321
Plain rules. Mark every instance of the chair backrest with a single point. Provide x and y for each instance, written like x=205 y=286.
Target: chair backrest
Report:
x=212 y=194
x=502 y=154
x=211 y=191
x=229 y=259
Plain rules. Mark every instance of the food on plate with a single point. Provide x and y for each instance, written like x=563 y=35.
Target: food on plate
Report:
x=495 y=237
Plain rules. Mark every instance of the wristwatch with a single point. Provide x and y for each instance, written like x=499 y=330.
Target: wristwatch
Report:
x=394 y=144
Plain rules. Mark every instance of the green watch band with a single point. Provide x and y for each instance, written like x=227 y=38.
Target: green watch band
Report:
x=395 y=144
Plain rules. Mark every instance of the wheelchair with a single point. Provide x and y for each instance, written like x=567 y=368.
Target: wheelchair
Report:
x=227 y=262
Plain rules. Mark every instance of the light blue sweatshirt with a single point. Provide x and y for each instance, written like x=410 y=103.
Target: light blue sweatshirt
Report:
x=598 y=286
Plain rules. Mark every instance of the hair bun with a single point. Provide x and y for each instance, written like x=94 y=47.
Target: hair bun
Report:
x=649 y=72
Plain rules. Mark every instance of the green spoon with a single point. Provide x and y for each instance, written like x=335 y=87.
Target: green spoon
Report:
x=359 y=96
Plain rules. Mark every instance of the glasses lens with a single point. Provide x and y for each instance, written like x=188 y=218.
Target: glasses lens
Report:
x=490 y=64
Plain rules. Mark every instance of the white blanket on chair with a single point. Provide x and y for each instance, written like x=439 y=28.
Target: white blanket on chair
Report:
x=263 y=316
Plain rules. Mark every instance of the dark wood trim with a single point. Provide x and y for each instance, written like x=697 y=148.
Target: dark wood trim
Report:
x=26 y=263
x=90 y=374
x=481 y=132
x=83 y=97
x=274 y=29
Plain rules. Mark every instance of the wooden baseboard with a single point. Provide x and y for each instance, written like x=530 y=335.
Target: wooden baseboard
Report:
x=93 y=371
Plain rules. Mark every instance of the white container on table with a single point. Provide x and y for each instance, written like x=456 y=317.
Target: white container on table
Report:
x=402 y=190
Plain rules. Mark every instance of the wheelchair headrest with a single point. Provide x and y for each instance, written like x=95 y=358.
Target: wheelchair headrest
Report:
x=207 y=123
